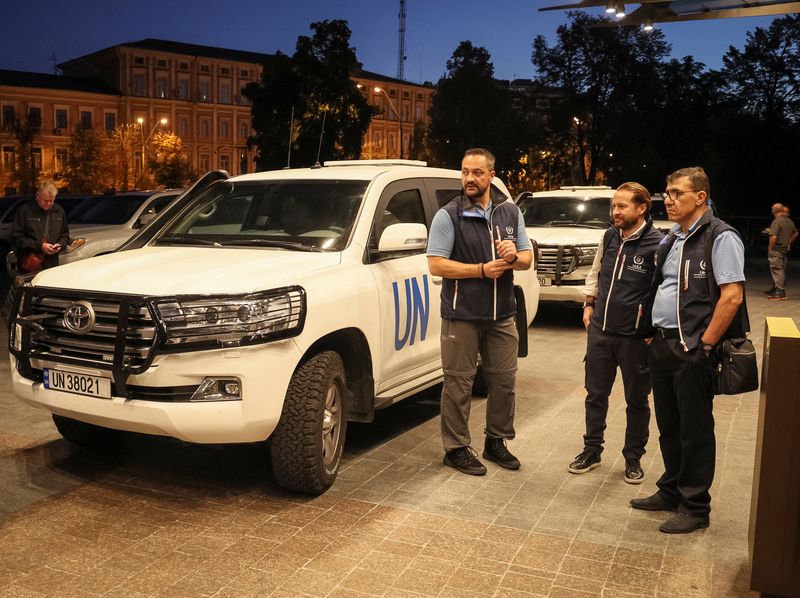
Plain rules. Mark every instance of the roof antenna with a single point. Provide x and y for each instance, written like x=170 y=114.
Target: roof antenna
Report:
x=291 y=130
x=321 y=134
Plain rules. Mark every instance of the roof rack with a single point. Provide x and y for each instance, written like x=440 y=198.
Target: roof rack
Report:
x=389 y=162
x=584 y=187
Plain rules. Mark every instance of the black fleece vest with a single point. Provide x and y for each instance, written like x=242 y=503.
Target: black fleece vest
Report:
x=624 y=280
x=479 y=298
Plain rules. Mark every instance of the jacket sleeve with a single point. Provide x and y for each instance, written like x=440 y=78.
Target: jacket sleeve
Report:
x=63 y=234
x=22 y=238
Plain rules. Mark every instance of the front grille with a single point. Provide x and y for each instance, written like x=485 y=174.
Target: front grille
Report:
x=123 y=336
x=557 y=260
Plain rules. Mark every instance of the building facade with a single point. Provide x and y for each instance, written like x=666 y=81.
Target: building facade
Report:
x=195 y=89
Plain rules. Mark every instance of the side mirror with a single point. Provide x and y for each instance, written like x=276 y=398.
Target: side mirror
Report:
x=405 y=236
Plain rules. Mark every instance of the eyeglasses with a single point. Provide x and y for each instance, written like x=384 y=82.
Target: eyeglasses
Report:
x=674 y=194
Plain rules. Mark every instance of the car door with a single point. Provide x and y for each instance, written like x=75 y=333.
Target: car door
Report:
x=410 y=320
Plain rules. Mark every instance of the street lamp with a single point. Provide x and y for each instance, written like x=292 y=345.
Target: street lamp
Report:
x=396 y=113
x=140 y=120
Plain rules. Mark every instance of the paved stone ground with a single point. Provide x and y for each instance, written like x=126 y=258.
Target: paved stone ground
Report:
x=162 y=518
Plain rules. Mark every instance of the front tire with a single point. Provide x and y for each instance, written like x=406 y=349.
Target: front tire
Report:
x=307 y=445
x=85 y=435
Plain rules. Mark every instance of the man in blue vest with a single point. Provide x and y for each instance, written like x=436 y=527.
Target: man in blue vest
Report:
x=690 y=317
x=476 y=242
x=614 y=314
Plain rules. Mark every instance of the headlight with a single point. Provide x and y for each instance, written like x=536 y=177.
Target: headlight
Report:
x=233 y=320
x=586 y=254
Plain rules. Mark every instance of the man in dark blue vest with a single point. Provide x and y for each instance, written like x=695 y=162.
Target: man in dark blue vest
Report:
x=476 y=242
x=690 y=317
x=617 y=290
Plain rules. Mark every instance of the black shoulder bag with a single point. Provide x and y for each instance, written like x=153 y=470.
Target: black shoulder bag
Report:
x=736 y=369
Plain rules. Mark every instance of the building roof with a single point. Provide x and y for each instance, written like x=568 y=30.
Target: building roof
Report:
x=42 y=80
x=163 y=45
x=378 y=77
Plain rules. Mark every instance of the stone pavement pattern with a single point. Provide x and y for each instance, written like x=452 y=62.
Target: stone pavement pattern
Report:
x=162 y=518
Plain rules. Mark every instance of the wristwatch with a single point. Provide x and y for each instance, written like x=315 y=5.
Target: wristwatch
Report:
x=708 y=348
x=516 y=257
x=589 y=304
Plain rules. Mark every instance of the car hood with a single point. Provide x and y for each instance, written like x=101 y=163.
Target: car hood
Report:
x=186 y=270
x=560 y=235
x=84 y=230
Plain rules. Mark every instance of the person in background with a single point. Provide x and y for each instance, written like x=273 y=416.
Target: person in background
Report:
x=617 y=289
x=476 y=242
x=39 y=232
x=782 y=233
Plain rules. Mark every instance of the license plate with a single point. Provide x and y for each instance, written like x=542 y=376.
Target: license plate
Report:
x=544 y=281
x=79 y=384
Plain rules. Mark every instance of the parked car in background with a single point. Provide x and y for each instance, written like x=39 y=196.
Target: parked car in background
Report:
x=101 y=224
x=10 y=204
x=568 y=226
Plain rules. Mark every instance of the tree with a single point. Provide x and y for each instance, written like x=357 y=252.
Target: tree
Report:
x=26 y=170
x=469 y=109
x=316 y=82
x=87 y=161
x=169 y=164
x=125 y=137
x=606 y=73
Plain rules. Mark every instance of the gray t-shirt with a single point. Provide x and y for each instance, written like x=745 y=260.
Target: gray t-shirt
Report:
x=783 y=228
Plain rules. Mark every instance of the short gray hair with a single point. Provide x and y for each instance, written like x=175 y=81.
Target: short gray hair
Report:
x=47 y=186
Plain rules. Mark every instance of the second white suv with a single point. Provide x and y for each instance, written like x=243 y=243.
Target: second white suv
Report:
x=568 y=226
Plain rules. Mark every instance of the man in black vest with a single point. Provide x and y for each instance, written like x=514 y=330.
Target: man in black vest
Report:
x=475 y=243
x=617 y=290
x=690 y=317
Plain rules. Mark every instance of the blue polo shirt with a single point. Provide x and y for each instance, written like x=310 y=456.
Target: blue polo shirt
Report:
x=442 y=235
x=727 y=259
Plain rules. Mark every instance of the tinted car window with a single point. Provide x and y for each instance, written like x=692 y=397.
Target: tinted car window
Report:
x=110 y=209
x=566 y=211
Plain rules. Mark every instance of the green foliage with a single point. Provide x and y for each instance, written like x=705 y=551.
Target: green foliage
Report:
x=87 y=161
x=469 y=110
x=26 y=171
x=316 y=82
x=170 y=166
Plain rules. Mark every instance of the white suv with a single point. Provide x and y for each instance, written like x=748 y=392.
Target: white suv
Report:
x=568 y=226
x=271 y=305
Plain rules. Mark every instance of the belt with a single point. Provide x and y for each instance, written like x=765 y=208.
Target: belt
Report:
x=668 y=332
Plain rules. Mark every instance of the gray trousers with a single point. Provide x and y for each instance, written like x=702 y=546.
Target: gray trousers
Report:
x=777 y=267
x=498 y=343
x=604 y=353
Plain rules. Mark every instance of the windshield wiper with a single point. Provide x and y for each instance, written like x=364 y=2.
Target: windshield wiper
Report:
x=292 y=245
x=186 y=241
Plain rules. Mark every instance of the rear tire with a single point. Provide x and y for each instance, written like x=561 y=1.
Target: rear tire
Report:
x=307 y=445
x=85 y=435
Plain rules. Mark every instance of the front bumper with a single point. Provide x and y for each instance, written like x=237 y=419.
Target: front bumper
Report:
x=264 y=372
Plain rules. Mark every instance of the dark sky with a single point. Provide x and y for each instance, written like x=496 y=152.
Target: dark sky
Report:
x=34 y=32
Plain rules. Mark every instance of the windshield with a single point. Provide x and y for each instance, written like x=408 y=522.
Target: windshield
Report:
x=658 y=211
x=305 y=215
x=566 y=211
x=111 y=209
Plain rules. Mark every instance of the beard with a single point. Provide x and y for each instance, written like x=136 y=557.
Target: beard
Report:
x=623 y=223
x=475 y=191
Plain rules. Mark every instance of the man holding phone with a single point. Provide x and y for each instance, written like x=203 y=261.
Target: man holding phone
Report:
x=40 y=230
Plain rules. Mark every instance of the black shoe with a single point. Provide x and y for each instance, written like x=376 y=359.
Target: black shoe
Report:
x=495 y=450
x=653 y=503
x=586 y=461
x=463 y=459
x=777 y=295
x=684 y=523
x=771 y=290
x=634 y=474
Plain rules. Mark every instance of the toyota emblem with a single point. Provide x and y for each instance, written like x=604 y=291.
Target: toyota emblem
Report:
x=79 y=317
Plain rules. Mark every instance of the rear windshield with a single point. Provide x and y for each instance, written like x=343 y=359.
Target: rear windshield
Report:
x=306 y=215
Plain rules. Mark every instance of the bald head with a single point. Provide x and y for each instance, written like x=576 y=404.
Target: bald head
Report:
x=777 y=209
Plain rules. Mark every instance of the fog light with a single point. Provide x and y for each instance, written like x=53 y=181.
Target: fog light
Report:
x=218 y=389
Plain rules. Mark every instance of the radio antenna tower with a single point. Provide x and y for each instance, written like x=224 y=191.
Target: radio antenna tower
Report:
x=401 y=40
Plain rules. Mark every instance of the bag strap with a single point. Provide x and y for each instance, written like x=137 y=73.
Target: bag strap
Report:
x=742 y=316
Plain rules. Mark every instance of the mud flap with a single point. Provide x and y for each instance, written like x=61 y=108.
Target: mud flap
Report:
x=522 y=322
